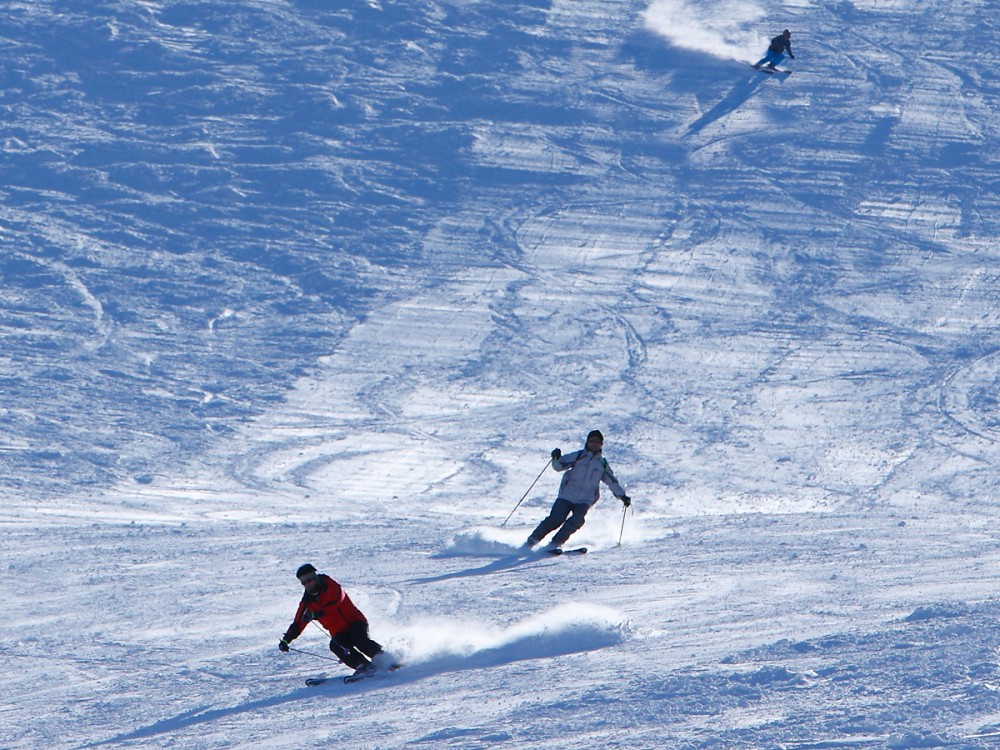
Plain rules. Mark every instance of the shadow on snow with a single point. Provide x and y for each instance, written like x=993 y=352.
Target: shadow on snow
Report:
x=567 y=629
x=736 y=98
x=500 y=565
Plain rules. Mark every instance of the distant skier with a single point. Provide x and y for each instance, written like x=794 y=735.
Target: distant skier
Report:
x=776 y=52
x=579 y=491
x=326 y=602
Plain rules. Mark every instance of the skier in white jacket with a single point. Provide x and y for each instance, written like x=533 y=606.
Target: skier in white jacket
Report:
x=578 y=492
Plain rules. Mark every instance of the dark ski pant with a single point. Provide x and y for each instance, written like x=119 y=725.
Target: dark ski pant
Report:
x=771 y=58
x=354 y=646
x=561 y=514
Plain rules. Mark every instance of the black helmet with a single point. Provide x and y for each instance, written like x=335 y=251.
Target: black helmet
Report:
x=786 y=32
x=305 y=570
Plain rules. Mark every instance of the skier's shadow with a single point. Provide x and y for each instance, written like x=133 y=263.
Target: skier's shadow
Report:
x=736 y=97
x=197 y=716
x=507 y=562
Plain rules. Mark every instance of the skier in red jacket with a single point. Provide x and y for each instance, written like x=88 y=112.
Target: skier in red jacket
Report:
x=326 y=602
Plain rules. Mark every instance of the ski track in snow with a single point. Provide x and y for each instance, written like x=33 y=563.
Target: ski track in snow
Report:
x=307 y=281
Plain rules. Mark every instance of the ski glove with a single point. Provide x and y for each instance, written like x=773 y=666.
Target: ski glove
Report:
x=626 y=500
x=283 y=646
x=556 y=454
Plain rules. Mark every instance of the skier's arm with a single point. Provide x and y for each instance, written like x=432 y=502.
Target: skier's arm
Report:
x=290 y=635
x=609 y=479
x=293 y=632
x=298 y=625
x=562 y=463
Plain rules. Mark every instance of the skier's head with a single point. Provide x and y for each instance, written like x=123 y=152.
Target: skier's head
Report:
x=786 y=33
x=595 y=440
x=308 y=578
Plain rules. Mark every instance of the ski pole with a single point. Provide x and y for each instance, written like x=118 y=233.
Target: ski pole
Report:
x=622 y=532
x=310 y=653
x=547 y=462
x=343 y=649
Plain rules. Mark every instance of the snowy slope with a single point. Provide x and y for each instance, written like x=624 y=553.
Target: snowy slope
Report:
x=290 y=280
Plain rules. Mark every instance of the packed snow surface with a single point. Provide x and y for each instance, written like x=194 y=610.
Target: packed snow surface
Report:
x=302 y=280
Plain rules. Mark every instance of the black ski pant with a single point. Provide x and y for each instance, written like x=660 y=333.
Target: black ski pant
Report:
x=354 y=646
x=570 y=515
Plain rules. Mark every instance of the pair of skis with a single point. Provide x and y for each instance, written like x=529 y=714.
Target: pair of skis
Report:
x=770 y=71
x=356 y=677
x=314 y=681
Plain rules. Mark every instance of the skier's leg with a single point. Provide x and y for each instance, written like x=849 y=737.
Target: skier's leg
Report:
x=775 y=60
x=343 y=646
x=572 y=525
x=362 y=640
x=560 y=510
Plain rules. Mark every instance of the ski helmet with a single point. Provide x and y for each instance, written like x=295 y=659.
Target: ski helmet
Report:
x=305 y=570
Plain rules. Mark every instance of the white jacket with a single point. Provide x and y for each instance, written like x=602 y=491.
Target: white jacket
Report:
x=584 y=473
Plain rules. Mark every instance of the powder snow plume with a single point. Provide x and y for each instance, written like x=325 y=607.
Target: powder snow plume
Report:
x=723 y=28
x=445 y=643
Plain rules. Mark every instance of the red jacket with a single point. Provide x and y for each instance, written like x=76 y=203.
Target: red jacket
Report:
x=330 y=605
